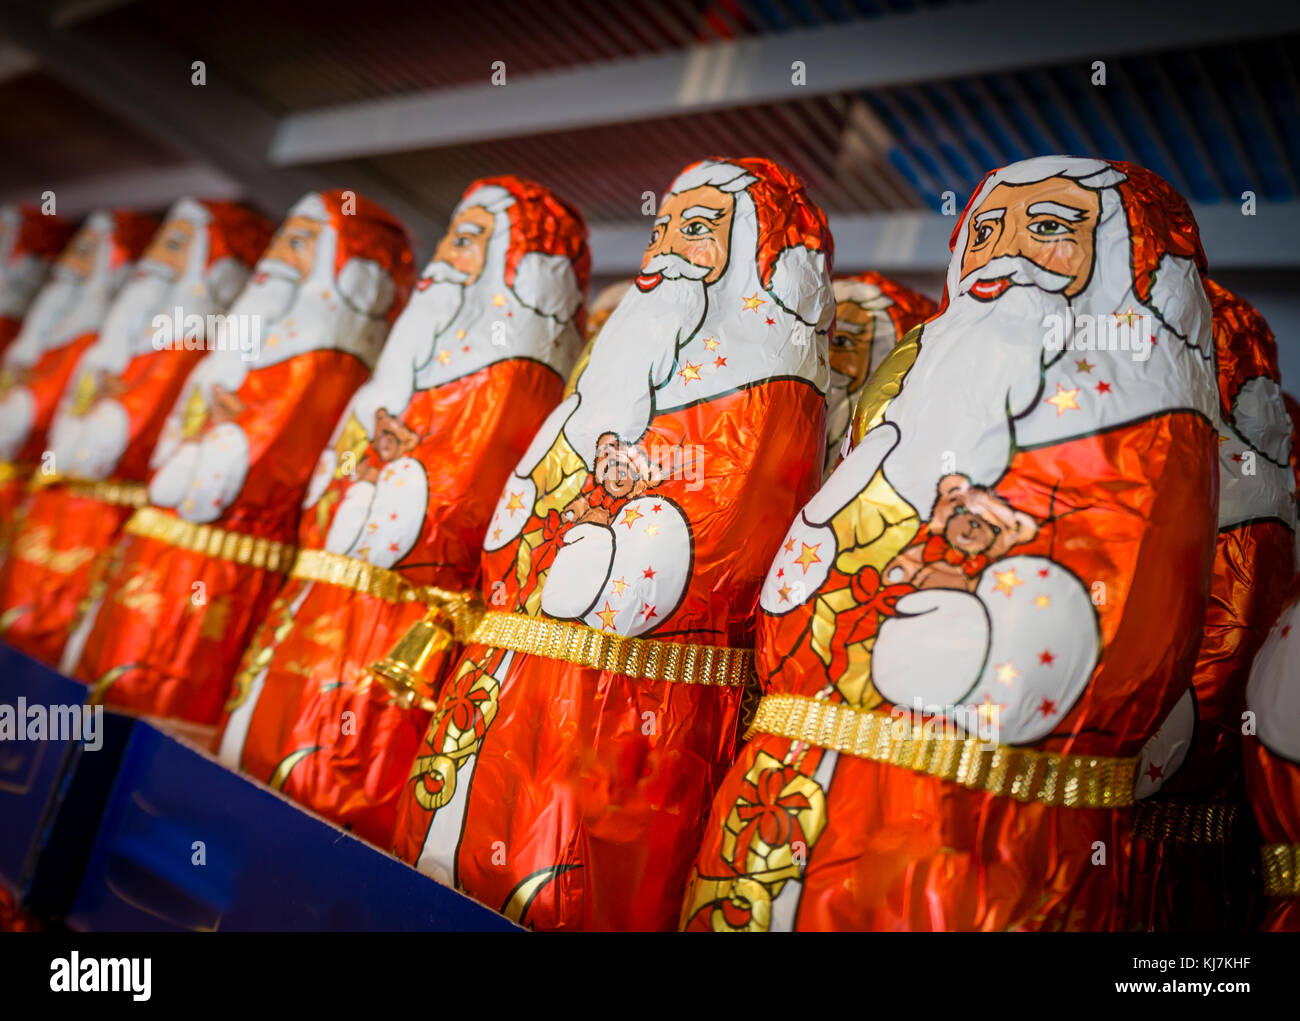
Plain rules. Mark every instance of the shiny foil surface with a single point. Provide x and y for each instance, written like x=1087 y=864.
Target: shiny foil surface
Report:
x=872 y=314
x=408 y=484
x=1014 y=560
x=648 y=506
x=111 y=413
x=29 y=243
x=235 y=457
x=1180 y=847
x=1272 y=752
x=60 y=323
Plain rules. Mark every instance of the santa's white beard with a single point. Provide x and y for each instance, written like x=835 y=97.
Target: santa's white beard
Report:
x=840 y=397
x=127 y=328
x=21 y=278
x=51 y=303
x=979 y=362
x=634 y=353
x=428 y=315
x=270 y=298
x=17 y=408
x=89 y=446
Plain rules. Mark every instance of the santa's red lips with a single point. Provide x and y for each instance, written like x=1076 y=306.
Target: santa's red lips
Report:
x=987 y=290
x=648 y=281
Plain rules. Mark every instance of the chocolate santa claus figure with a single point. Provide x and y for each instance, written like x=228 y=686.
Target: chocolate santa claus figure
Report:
x=29 y=243
x=872 y=314
x=972 y=629
x=199 y=566
x=1272 y=757
x=60 y=324
x=1190 y=776
x=394 y=520
x=565 y=774
x=111 y=413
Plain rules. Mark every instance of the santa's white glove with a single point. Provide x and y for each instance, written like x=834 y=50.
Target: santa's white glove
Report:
x=579 y=571
x=934 y=649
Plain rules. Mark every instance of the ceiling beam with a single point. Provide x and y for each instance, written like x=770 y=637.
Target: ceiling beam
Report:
x=934 y=44
x=917 y=242
x=154 y=188
x=215 y=124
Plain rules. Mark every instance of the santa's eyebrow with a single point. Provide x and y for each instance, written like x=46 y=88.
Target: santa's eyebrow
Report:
x=988 y=214
x=1056 y=209
x=708 y=212
x=845 y=326
x=469 y=227
x=662 y=221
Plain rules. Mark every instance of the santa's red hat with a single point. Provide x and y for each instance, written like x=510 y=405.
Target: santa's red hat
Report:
x=794 y=241
x=548 y=264
x=40 y=235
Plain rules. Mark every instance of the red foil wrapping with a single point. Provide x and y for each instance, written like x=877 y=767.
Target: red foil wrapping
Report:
x=407 y=486
x=971 y=631
x=555 y=786
x=1187 y=836
x=111 y=413
x=60 y=324
x=1272 y=758
x=199 y=568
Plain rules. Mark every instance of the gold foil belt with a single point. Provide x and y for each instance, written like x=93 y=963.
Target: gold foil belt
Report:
x=1281 y=869
x=354 y=574
x=644 y=658
x=1075 y=781
x=120 y=494
x=362 y=576
x=1182 y=822
x=151 y=523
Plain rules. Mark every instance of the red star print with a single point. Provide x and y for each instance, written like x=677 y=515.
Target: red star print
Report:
x=392 y=547
x=1103 y=387
x=1047 y=707
x=1286 y=630
x=1047 y=659
x=719 y=361
x=393 y=516
x=465 y=348
x=1155 y=772
x=657 y=508
x=649 y=572
x=1042 y=572
x=648 y=611
x=1236 y=457
x=780 y=572
x=771 y=321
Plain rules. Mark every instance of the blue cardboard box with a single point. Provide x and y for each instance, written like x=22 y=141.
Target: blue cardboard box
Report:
x=185 y=844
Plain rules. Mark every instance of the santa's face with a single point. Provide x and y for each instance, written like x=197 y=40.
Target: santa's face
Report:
x=691 y=237
x=79 y=257
x=464 y=246
x=850 y=347
x=1050 y=224
x=170 y=247
x=294 y=244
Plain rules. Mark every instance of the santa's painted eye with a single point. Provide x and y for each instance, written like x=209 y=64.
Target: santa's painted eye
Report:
x=696 y=229
x=982 y=233
x=1049 y=228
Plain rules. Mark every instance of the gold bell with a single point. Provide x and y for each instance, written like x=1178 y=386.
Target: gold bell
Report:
x=401 y=671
